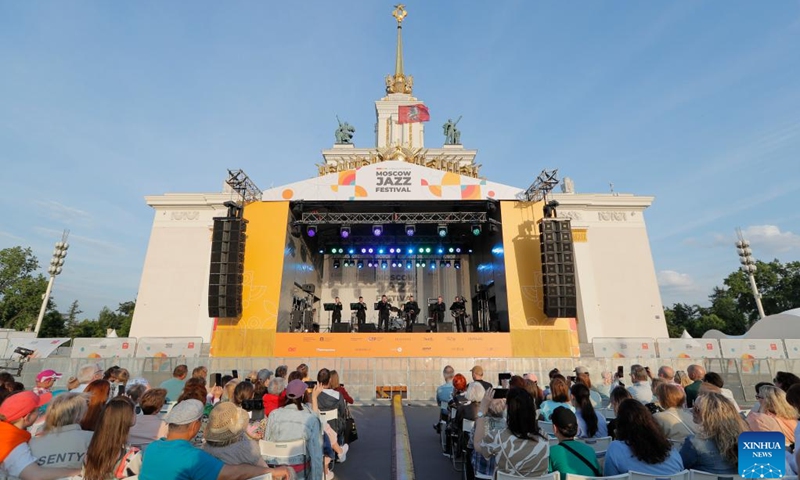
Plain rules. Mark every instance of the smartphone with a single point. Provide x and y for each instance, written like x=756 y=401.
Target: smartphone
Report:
x=503 y=376
x=235 y=373
x=311 y=384
x=571 y=378
x=121 y=390
x=620 y=371
x=218 y=379
x=500 y=393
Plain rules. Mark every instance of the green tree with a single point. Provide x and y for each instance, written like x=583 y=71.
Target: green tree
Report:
x=21 y=288
x=87 y=328
x=53 y=325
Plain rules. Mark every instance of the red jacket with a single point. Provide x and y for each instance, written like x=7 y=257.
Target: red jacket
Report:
x=343 y=392
x=271 y=402
x=10 y=438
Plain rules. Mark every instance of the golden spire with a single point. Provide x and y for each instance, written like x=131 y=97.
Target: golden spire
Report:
x=399 y=82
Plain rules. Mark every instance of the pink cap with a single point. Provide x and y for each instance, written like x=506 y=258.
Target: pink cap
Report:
x=20 y=404
x=47 y=375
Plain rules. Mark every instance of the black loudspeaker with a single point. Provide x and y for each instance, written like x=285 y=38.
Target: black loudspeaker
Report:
x=446 y=327
x=368 y=328
x=558 y=268
x=227 y=267
x=343 y=327
x=309 y=287
x=419 y=328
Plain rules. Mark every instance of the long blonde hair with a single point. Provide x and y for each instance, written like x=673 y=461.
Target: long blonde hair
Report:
x=775 y=402
x=721 y=423
x=66 y=409
x=682 y=378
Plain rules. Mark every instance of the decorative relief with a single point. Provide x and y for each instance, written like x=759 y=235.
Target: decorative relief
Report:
x=185 y=215
x=612 y=216
x=571 y=214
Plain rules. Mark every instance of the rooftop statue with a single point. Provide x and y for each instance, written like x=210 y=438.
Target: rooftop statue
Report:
x=344 y=133
x=452 y=135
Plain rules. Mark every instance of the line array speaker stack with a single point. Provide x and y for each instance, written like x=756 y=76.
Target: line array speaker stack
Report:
x=558 y=268
x=227 y=267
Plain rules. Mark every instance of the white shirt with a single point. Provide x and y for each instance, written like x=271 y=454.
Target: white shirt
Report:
x=80 y=388
x=18 y=460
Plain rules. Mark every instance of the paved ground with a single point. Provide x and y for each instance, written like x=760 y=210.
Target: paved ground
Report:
x=370 y=456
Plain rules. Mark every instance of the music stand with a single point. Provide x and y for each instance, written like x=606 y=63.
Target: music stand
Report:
x=377 y=305
x=355 y=306
x=329 y=307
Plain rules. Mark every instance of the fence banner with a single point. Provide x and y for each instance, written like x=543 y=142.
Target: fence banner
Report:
x=164 y=347
x=792 y=348
x=688 y=348
x=103 y=348
x=624 y=347
x=42 y=347
x=751 y=349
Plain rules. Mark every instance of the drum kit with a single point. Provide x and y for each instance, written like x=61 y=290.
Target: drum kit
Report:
x=397 y=320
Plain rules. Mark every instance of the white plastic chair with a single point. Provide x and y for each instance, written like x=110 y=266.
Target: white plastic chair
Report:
x=608 y=413
x=266 y=476
x=553 y=441
x=684 y=475
x=572 y=476
x=599 y=445
x=289 y=453
x=700 y=475
x=329 y=415
x=508 y=476
x=547 y=427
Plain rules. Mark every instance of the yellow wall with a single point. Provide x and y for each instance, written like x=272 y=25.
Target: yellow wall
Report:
x=254 y=333
x=532 y=333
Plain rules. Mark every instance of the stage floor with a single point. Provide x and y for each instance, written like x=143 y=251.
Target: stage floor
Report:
x=393 y=345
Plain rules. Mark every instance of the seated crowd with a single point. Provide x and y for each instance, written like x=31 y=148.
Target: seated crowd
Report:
x=657 y=425
x=106 y=425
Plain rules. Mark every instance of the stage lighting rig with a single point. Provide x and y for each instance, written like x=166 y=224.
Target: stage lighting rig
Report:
x=476 y=229
x=411 y=230
x=377 y=230
x=544 y=184
x=344 y=232
x=442 y=230
x=311 y=230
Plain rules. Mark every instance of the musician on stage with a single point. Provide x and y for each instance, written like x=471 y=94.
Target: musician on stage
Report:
x=437 y=312
x=411 y=309
x=336 y=316
x=384 y=308
x=459 y=311
x=361 y=313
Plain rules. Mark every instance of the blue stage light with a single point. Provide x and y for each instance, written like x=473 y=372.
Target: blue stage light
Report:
x=457 y=264
x=361 y=264
x=381 y=251
x=363 y=250
x=351 y=251
x=440 y=250
x=311 y=230
x=336 y=264
x=384 y=264
x=410 y=251
x=408 y=265
x=377 y=230
x=411 y=230
x=370 y=250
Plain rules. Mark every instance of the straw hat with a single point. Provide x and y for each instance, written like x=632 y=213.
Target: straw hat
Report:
x=226 y=422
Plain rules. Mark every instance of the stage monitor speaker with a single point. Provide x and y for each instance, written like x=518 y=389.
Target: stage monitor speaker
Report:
x=368 y=328
x=227 y=267
x=446 y=327
x=309 y=287
x=342 y=327
x=558 y=268
x=419 y=328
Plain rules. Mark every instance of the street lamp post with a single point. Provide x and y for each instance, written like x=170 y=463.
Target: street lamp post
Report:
x=749 y=268
x=54 y=270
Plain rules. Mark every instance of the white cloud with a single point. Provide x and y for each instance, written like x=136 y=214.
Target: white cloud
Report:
x=11 y=236
x=63 y=213
x=670 y=279
x=769 y=238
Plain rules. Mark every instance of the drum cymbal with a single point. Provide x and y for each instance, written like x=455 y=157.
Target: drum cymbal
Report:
x=394 y=309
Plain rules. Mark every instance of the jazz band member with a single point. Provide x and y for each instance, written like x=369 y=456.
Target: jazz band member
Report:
x=459 y=311
x=411 y=309
x=437 y=314
x=384 y=308
x=337 y=311
x=361 y=313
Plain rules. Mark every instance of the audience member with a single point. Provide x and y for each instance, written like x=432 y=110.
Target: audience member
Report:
x=45 y=381
x=294 y=375
x=533 y=388
x=618 y=394
x=775 y=414
x=200 y=372
x=281 y=371
x=521 y=448
x=716 y=380
x=63 y=443
x=443 y=395
x=174 y=457
x=784 y=380
x=174 y=386
x=330 y=400
x=666 y=373
x=86 y=375
x=696 y=374
x=230 y=389
x=123 y=377
x=474 y=394
x=296 y=420
x=641 y=389
x=459 y=388
x=18 y=412
x=559 y=397
x=109 y=455
x=302 y=369
x=682 y=379
x=135 y=392
x=491 y=420
x=477 y=376
x=226 y=439
x=674 y=421
x=274 y=397
x=757 y=405
x=147 y=426
x=99 y=391
x=590 y=423
x=339 y=387
x=654 y=406
x=604 y=388
x=641 y=446
x=570 y=456
x=582 y=377
x=110 y=375
x=331 y=447
x=715 y=448
x=243 y=391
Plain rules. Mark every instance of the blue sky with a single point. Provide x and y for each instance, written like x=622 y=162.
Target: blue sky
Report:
x=694 y=102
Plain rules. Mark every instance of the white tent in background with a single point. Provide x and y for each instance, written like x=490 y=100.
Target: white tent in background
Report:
x=781 y=325
x=111 y=333
x=685 y=334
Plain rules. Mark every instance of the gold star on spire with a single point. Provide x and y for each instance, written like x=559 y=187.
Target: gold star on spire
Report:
x=399 y=82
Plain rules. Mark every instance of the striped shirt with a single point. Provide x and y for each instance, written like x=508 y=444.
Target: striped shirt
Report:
x=518 y=456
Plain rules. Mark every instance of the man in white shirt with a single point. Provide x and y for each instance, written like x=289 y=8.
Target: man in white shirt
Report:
x=640 y=390
x=86 y=375
x=17 y=413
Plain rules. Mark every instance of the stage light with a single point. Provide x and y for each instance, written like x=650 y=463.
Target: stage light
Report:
x=394 y=263
x=457 y=264
x=418 y=264
x=346 y=263
x=341 y=250
x=369 y=263
x=361 y=264
x=458 y=249
x=336 y=264
x=447 y=264
x=411 y=230
x=408 y=265
x=441 y=264
x=311 y=230
x=410 y=251
x=381 y=251
x=377 y=230
x=391 y=250
x=384 y=264
x=428 y=250
x=476 y=230
x=440 y=250
x=442 y=229
x=363 y=250
x=433 y=265
x=451 y=250
x=421 y=249
x=370 y=250
x=469 y=251
x=423 y=264
x=321 y=250
x=344 y=232
x=333 y=250
x=351 y=251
